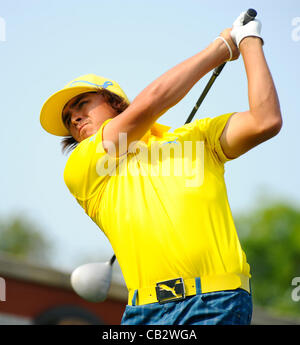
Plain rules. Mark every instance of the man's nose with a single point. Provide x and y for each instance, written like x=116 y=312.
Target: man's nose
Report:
x=76 y=118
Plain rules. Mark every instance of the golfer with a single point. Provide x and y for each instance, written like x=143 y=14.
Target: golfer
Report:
x=160 y=196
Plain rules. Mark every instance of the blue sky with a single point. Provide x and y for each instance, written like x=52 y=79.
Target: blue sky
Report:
x=48 y=43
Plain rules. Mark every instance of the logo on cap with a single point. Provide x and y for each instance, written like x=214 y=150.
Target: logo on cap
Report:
x=104 y=85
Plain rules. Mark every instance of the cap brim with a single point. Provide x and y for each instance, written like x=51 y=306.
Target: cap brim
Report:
x=51 y=113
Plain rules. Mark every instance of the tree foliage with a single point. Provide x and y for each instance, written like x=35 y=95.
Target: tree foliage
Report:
x=270 y=237
x=24 y=239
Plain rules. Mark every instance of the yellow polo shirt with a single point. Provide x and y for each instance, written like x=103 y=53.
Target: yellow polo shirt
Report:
x=163 y=206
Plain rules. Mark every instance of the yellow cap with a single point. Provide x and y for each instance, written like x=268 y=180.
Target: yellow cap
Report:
x=51 y=113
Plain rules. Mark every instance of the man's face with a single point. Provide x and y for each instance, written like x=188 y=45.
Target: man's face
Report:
x=84 y=114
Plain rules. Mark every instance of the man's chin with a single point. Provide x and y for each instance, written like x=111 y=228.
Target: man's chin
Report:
x=86 y=133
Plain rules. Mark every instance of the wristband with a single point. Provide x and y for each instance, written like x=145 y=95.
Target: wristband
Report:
x=228 y=46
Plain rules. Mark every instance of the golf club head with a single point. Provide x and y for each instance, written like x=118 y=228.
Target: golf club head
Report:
x=92 y=281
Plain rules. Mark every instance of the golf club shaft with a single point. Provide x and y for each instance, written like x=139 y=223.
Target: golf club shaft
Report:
x=250 y=15
x=212 y=79
x=112 y=260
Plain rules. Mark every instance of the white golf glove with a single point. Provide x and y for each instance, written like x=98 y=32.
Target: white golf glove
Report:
x=240 y=31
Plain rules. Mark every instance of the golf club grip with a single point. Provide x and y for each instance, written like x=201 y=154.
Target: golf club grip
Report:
x=250 y=15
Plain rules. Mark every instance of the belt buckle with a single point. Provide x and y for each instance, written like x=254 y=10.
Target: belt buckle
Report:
x=168 y=290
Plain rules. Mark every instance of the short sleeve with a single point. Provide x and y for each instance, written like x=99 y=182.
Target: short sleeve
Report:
x=213 y=128
x=89 y=167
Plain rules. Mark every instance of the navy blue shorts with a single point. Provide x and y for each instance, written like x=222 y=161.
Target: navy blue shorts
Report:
x=232 y=307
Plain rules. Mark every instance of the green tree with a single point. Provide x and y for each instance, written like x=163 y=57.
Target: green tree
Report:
x=24 y=239
x=270 y=237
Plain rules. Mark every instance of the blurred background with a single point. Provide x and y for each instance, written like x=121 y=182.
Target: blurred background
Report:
x=45 y=44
